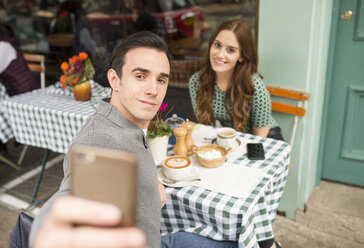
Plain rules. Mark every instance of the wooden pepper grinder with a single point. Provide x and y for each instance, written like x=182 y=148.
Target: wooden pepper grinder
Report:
x=180 y=148
x=189 y=141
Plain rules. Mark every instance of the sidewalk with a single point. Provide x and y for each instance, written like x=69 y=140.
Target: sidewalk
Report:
x=334 y=216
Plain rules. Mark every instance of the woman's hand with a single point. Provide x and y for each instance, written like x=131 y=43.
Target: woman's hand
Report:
x=95 y=226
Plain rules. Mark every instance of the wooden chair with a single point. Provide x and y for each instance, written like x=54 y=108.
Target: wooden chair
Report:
x=36 y=64
x=296 y=110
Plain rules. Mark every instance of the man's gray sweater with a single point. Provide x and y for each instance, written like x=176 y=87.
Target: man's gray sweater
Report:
x=109 y=129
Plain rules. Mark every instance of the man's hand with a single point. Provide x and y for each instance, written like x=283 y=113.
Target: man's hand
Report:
x=95 y=228
x=162 y=194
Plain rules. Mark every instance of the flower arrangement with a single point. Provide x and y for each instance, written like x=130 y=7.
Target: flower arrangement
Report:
x=78 y=70
x=157 y=126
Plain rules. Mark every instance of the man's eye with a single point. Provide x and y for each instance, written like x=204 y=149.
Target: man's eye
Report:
x=140 y=76
x=163 y=81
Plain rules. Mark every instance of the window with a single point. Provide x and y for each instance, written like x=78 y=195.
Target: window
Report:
x=54 y=27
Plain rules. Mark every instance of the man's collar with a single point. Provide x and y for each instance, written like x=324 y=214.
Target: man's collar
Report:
x=108 y=110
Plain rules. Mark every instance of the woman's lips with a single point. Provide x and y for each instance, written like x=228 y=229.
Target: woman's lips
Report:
x=219 y=63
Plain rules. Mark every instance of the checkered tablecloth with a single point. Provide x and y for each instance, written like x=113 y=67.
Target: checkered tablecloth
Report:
x=5 y=129
x=50 y=118
x=223 y=217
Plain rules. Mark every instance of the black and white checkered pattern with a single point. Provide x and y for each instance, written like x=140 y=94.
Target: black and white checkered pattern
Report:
x=224 y=217
x=50 y=118
x=5 y=129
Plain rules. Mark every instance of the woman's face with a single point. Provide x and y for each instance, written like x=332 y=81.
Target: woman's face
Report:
x=225 y=52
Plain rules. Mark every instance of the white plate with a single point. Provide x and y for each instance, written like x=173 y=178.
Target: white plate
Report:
x=236 y=146
x=191 y=180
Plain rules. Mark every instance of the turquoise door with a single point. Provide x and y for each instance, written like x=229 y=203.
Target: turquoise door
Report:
x=343 y=150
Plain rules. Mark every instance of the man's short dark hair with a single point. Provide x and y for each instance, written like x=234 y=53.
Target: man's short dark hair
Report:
x=145 y=39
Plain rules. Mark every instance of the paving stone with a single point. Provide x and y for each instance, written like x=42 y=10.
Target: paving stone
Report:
x=359 y=236
x=8 y=220
x=340 y=225
x=339 y=198
x=291 y=234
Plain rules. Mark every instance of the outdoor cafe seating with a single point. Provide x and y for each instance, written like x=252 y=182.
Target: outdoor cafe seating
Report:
x=244 y=211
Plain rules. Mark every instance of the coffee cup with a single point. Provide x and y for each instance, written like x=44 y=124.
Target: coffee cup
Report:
x=177 y=167
x=226 y=137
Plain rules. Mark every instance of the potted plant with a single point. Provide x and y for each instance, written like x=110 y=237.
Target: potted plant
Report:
x=158 y=134
x=77 y=74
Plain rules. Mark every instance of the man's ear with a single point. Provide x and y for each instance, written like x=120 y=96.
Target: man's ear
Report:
x=114 y=79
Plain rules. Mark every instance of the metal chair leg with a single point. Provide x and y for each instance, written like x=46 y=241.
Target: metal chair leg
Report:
x=8 y=162
x=40 y=176
x=22 y=154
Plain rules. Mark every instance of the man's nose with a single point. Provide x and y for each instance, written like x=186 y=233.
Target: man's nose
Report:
x=152 y=87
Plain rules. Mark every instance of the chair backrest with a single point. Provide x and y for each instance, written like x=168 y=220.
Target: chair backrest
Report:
x=36 y=64
x=296 y=110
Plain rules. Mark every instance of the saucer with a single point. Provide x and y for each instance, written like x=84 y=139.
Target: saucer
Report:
x=237 y=143
x=191 y=180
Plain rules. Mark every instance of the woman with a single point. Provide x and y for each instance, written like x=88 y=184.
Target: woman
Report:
x=14 y=72
x=228 y=88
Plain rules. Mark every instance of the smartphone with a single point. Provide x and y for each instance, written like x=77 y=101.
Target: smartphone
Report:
x=105 y=175
x=255 y=151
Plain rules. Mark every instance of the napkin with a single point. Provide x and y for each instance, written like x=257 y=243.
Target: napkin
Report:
x=230 y=179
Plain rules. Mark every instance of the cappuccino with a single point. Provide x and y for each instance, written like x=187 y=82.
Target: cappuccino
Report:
x=177 y=162
x=226 y=134
x=177 y=167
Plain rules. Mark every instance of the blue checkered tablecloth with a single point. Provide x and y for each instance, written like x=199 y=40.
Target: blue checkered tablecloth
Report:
x=5 y=129
x=223 y=217
x=50 y=118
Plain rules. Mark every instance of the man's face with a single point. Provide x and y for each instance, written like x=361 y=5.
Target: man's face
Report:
x=143 y=85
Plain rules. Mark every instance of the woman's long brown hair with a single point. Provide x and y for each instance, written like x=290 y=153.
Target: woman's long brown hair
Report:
x=241 y=89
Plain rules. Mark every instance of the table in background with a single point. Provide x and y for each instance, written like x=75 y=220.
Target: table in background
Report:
x=223 y=217
x=50 y=118
x=5 y=129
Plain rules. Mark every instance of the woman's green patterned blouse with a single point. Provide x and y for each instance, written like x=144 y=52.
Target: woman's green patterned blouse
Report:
x=261 y=109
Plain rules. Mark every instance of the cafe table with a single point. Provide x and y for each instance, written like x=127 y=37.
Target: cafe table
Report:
x=220 y=216
x=49 y=118
x=5 y=129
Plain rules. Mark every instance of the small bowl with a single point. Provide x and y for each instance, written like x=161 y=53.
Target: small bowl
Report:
x=214 y=162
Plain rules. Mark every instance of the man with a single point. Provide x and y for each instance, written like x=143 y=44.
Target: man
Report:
x=140 y=67
x=139 y=79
